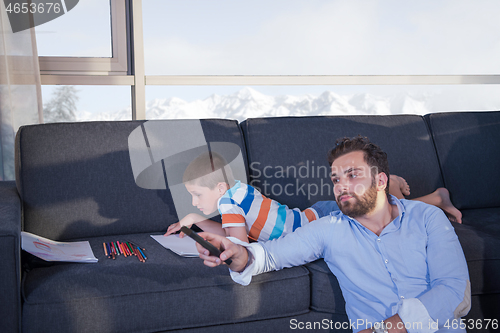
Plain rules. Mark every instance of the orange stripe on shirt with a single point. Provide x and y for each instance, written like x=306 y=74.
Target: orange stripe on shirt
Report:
x=261 y=219
x=310 y=215
x=233 y=218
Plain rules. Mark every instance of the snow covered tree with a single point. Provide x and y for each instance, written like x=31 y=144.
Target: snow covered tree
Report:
x=62 y=106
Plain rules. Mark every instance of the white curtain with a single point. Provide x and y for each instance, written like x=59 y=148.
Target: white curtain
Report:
x=20 y=91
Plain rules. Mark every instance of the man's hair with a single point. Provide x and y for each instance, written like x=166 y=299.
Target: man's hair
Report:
x=208 y=170
x=374 y=156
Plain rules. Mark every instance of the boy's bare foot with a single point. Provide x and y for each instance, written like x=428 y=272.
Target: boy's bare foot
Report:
x=399 y=187
x=444 y=202
x=441 y=198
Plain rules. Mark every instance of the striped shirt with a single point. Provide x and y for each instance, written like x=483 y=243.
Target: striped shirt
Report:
x=264 y=219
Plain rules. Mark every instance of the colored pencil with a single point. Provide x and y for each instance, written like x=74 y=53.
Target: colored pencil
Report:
x=124 y=250
x=127 y=248
x=142 y=253
x=130 y=247
x=141 y=249
x=121 y=249
x=138 y=254
x=109 y=250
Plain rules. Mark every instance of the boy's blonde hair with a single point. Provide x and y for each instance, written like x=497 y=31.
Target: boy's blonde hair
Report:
x=208 y=170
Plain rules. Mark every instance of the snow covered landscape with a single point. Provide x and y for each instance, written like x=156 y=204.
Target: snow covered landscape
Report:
x=249 y=103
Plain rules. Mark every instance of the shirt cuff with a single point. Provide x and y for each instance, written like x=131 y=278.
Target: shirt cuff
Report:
x=415 y=316
x=245 y=277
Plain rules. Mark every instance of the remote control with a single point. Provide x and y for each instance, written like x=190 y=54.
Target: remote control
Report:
x=212 y=249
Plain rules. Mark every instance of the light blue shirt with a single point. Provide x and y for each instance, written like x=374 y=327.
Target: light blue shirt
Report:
x=415 y=268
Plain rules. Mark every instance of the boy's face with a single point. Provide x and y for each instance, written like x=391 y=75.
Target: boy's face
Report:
x=204 y=198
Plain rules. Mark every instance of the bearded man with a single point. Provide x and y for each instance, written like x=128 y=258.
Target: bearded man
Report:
x=398 y=262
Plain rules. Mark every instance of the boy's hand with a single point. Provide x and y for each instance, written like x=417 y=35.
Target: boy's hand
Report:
x=187 y=221
x=173 y=228
x=237 y=253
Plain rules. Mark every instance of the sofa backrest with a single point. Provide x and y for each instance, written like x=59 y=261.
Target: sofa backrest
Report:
x=76 y=181
x=468 y=147
x=287 y=155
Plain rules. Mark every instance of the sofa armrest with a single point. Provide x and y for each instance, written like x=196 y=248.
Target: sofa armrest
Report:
x=10 y=257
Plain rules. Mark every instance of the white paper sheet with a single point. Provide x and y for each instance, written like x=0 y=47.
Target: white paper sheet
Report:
x=50 y=250
x=185 y=247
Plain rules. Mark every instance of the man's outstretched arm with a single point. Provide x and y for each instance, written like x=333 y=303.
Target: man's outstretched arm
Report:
x=304 y=245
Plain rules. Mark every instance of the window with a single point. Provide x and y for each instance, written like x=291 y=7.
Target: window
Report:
x=71 y=35
x=90 y=39
x=64 y=103
x=292 y=37
x=242 y=102
x=369 y=58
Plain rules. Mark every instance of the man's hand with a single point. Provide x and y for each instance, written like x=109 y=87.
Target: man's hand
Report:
x=394 y=324
x=237 y=253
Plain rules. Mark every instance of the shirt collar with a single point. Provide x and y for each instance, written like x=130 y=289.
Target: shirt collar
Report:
x=229 y=193
x=401 y=211
x=396 y=222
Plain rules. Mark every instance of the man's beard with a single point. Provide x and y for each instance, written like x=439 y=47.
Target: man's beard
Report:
x=362 y=205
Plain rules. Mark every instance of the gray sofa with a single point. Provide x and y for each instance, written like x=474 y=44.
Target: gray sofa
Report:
x=74 y=181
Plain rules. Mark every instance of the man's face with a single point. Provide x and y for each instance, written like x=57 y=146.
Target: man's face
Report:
x=353 y=185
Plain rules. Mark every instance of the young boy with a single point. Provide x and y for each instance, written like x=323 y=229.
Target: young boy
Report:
x=247 y=214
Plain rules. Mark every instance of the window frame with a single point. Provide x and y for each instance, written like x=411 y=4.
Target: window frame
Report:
x=115 y=65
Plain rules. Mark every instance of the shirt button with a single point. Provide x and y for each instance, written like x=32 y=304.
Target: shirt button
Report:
x=378 y=240
x=386 y=261
x=402 y=297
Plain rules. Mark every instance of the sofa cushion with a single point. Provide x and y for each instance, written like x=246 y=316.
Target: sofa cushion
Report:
x=165 y=292
x=482 y=252
x=287 y=155
x=483 y=307
x=486 y=220
x=10 y=248
x=76 y=179
x=326 y=295
x=468 y=146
